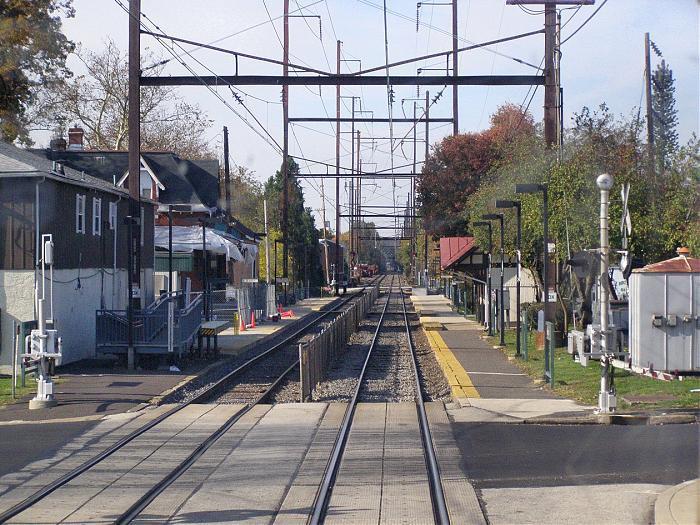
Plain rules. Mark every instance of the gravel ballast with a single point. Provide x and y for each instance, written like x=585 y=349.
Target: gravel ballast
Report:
x=389 y=376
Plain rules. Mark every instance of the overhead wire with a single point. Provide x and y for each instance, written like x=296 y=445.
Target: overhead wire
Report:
x=170 y=50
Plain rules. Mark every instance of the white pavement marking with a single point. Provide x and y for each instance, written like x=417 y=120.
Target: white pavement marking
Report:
x=618 y=504
x=509 y=410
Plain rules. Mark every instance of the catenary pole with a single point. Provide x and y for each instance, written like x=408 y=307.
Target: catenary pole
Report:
x=455 y=70
x=285 y=145
x=337 y=172
x=134 y=157
x=227 y=175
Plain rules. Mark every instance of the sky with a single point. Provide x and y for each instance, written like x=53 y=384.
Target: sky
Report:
x=603 y=62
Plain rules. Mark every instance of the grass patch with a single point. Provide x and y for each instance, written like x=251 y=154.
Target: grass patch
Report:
x=581 y=384
x=6 y=390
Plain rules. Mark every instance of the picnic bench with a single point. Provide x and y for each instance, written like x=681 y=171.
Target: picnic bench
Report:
x=211 y=329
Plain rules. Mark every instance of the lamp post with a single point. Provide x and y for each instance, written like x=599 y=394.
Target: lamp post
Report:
x=536 y=188
x=488 y=267
x=499 y=217
x=606 y=397
x=518 y=245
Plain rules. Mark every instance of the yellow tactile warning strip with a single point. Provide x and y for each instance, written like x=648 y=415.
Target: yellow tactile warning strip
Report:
x=457 y=377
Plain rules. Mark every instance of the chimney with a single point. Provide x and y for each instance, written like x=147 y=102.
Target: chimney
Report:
x=75 y=138
x=58 y=144
x=683 y=252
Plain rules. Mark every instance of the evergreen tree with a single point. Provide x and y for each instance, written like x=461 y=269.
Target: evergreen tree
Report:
x=665 y=114
x=33 y=53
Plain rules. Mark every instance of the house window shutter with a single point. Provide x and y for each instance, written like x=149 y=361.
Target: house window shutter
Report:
x=96 y=216
x=112 y=215
x=80 y=214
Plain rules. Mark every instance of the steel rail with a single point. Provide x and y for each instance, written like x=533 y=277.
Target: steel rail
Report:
x=145 y=500
x=323 y=496
x=208 y=392
x=437 y=495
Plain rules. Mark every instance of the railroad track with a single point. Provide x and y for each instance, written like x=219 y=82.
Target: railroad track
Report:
x=385 y=357
x=247 y=395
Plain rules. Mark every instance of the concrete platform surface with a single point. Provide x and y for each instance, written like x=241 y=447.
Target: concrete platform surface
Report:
x=485 y=385
x=91 y=390
x=679 y=504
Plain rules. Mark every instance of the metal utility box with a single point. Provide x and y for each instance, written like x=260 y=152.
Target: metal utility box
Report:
x=664 y=315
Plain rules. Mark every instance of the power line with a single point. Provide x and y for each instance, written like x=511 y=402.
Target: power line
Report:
x=189 y=68
x=584 y=23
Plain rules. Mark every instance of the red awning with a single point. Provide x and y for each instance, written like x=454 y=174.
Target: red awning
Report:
x=453 y=249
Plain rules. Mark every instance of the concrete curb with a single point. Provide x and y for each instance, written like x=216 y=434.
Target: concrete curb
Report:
x=678 y=504
x=576 y=418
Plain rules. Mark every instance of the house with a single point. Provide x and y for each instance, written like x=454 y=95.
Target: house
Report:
x=86 y=217
x=464 y=260
x=189 y=190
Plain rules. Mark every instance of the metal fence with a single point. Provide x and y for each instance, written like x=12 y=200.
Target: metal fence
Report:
x=232 y=304
x=151 y=327
x=316 y=355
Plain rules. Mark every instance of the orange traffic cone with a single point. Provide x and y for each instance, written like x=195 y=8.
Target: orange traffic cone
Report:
x=242 y=327
x=252 y=318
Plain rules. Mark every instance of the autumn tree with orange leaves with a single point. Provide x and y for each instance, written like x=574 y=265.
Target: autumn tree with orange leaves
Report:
x=456 y=166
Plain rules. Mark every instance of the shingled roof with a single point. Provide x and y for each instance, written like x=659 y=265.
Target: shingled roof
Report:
x=17 y=161
x=185 y=181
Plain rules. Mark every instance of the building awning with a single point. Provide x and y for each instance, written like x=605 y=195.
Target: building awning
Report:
x=453 y=249
x=186 y=239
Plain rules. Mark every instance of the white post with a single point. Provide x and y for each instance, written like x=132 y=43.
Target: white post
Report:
x=606 y=398
x=44 y=342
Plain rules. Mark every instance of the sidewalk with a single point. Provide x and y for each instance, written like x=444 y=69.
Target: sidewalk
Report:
x=679 y=505
x=486 y=386
x=91 y=393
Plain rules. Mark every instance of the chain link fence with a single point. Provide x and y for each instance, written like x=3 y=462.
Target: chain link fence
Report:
x=233 y=304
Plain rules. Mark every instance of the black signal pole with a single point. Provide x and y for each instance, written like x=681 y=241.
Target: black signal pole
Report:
x=489 y=317
x=518 y=243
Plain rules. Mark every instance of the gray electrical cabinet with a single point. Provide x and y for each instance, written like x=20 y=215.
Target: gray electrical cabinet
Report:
x=664 y=315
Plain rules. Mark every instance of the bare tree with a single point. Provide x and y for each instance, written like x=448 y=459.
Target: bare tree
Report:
x=98 y=101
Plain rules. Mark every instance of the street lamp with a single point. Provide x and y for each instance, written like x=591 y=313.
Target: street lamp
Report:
x=536 y=188
x=499 y=217
x=517 y=205
x=488 y=277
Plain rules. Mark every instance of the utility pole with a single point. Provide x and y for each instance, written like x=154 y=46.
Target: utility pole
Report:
x=427 y=152
x=285 y=142
x=267 y=244
x=550 y=84
x=227 y=175
x=337 y=173
x=134 y=167
x=560 y=101
x=455 y=70
x=650 y=113
x=325 y=231
x=357 y=196
x=412 y=199
x=351 y=195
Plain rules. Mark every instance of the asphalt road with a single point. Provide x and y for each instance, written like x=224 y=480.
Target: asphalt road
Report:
x=22 y=444
x=502 y=455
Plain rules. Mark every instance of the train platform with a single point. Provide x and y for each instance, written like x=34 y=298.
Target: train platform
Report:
x=486 y=386
x=92 y=390
x=235 y=342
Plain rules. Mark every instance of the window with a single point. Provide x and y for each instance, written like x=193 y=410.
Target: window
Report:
x=96 y=216
x=112 y=215
x=80 y=214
